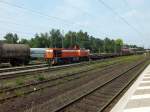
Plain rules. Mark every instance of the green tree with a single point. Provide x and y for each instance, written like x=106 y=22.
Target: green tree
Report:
x=56 y=38
x=70 y=39
x=24 y=41
x=11 y=38
x=118 y=44
x=83 y=39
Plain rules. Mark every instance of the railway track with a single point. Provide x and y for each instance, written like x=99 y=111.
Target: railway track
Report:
x=22 y=71
x=94 y=96
x=70 y=89
x=101 y=96
x=14 y=72
x=29 y=88
x=65 y=71
x=7 y=65
x=11 y=69
x=33 y=66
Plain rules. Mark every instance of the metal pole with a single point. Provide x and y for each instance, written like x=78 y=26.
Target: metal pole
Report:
x=71 y=41
x=115 y=48
x=99 y=51
x=104 y=46
x=62 y=41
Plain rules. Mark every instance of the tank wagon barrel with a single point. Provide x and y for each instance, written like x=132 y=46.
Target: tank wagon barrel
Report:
x=16 y=54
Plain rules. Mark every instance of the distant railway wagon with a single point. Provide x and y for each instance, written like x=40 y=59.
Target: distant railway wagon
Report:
x=98 y=56
x=37 y=53
x=15 y=54
x=59 y=55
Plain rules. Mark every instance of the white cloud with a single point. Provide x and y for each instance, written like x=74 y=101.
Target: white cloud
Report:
x=70 y=9
x=136 y=2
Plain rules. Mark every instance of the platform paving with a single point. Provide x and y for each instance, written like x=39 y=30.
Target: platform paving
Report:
x=137 y=98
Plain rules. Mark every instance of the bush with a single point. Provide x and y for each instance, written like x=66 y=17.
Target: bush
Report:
x=40 y=78
x=19 y=82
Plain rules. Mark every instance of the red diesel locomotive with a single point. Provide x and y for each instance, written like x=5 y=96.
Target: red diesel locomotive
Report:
x=61 y=55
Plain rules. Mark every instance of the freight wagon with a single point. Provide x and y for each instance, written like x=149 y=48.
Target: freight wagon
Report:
x=15 y=54
x=37 y=53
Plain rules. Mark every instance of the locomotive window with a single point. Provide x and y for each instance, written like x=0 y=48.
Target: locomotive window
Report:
x=57 y=53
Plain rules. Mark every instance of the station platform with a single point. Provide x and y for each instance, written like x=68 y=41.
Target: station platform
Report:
x=137 y=98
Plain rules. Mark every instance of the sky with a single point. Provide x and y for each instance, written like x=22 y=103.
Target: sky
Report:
x=127 y=19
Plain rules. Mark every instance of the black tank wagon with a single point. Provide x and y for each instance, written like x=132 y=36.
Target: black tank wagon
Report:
x=15 y=54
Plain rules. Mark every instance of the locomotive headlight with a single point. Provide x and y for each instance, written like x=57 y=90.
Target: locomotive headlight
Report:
x=49 y=51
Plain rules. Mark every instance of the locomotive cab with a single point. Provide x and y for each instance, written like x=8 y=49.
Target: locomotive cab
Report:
x=57 y=53
x=53 y=55
x=56 y=56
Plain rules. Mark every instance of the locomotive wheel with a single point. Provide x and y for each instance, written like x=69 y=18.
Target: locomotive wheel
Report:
x=49 y=62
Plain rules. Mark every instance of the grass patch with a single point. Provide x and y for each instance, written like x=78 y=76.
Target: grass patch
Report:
x=37 y=77
x=19 y=82
x=40 y=78
x=18 y=93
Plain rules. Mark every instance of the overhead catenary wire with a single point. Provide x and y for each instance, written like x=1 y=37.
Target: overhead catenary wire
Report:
x=135 y=18
x=10 y=30
x=20 y=25
x=16 y=31
x=131 y=8
x=69 y=23
x=43 y=14
x=24 y=25
x=119 y=16
x=91 y=15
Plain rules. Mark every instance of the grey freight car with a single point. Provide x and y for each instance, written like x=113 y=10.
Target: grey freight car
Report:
x=37 y=53
x=16 y=54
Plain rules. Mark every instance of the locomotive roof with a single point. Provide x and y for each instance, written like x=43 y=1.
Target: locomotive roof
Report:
x=66 y=49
